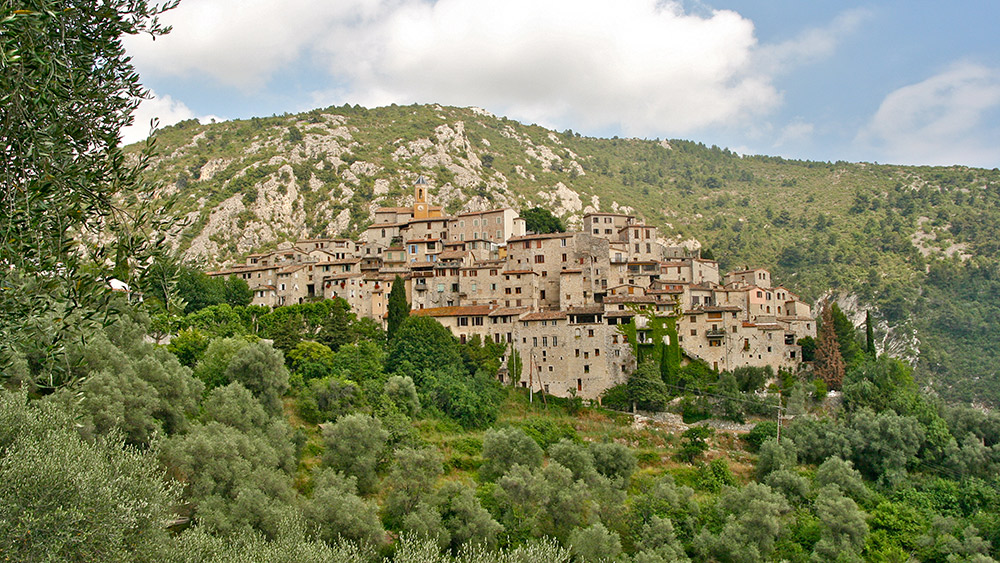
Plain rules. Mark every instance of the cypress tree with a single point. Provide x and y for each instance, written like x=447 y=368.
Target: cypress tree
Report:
x=869 y=335
x=399 y=308
x=829 y=363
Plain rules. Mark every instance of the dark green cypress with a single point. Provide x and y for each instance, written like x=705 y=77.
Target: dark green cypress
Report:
x=399 y=308
x=869 y=335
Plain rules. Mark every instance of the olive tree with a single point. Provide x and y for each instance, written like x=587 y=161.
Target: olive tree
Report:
x=67 y=87
x=355 y=445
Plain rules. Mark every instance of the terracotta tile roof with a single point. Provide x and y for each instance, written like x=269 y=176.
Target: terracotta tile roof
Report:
x=452 y=254
x=629 y=299
x=625 y=313
x=461 y=311
x=338 y=262
x=571 y=271
x=585 y=310
x=508 y=311
x=470 y=213
x=544 y=316
x=721 y=308
x=541 y=236
x=240 y=269
x=520 y=272
x=611 y=214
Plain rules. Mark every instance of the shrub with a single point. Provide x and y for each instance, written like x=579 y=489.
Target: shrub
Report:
x=505 y=447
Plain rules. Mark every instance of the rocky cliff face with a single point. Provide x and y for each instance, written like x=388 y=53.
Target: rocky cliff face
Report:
x=249 y=185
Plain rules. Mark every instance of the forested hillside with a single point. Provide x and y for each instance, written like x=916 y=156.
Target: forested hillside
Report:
x=916 y=245
x=336 y=444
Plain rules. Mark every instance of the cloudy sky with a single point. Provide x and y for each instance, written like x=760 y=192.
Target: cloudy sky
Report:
x=908 y=82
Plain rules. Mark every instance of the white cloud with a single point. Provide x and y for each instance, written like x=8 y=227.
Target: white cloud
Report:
x=241 y=43
x=809 y=45
x=940 y=120
x=644 y=67
x=164 y=109
x=794 y=133
x=640 y=65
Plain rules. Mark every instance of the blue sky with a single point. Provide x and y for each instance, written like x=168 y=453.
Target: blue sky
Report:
x=893 y=82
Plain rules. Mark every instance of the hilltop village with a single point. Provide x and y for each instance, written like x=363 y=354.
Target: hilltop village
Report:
x=562 y=300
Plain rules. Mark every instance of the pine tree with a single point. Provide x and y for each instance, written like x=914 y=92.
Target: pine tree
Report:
x=399 y=308
x=829 y=363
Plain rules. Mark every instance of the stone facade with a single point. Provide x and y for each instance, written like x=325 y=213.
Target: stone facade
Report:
x=559 y=299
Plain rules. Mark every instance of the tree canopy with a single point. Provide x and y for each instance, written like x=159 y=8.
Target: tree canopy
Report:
x=540 y=220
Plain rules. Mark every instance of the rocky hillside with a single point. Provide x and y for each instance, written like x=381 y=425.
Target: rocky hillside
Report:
x=917 y=245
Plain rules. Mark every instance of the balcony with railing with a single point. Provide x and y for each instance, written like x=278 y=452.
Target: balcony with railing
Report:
x=715 y=333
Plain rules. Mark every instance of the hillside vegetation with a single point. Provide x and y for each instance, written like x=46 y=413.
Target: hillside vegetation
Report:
x=337 y=443
x=916 y=245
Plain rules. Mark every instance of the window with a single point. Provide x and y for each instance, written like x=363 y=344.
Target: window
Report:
x=534 y=341
x=586 y=355
x=597 y=352
x=475 y=222
x=463 y=321
x=555 y=339
x=472 y=287
x=517 y=290
x=586 y=368
x=562 y=242
x=440 y=288
x=545 y=341
x=694 y=332
x=579 y=383
x=499 y=234
x=540 y=259
x=590 y=333
x=564 y=257
x=714 y=343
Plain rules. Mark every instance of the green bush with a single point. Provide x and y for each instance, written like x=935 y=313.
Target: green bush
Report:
x=761 y=432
